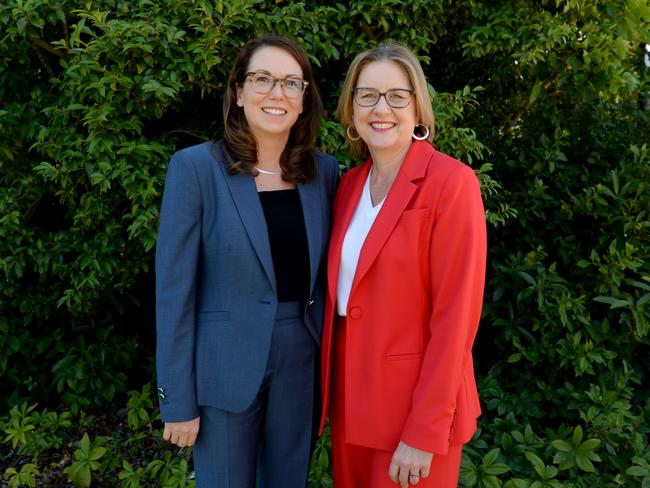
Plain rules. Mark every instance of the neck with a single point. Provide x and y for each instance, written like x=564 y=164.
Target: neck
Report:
x=270 y=149
x=386 y=164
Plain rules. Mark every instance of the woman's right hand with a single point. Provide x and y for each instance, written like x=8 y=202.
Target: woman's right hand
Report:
x=183 y=434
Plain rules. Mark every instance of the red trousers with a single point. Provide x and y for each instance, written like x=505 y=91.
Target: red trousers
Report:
x=363 y=467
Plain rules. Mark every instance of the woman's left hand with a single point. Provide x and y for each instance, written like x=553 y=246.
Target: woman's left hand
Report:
x=409 y=465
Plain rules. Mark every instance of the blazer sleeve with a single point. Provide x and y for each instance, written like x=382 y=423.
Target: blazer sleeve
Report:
x=457 y=271
x=177 y=255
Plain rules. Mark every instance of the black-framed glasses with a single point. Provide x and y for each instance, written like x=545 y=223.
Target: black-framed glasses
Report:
x=396 y=97
x=262 y=83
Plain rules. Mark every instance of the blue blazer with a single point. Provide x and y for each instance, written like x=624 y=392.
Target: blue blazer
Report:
x=215 y=285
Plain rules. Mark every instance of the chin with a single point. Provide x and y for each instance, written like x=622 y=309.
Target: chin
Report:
x=275 y=131
x=381 y=146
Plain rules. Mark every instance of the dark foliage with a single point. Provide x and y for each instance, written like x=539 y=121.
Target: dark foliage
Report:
x=548 y=101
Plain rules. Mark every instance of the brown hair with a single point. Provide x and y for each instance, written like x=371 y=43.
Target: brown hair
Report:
x=297 y=160
x=404 y=57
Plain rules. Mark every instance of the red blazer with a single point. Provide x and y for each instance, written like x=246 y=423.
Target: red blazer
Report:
x=414 y=306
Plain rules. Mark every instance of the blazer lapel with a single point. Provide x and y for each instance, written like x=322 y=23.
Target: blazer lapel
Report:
x=244 y=195
x=310 y=198
x=413 y=167
x=346 y=202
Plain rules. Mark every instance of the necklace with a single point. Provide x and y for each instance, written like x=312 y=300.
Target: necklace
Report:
x=266 y=172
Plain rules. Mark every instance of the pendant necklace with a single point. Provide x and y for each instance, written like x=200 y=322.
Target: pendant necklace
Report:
x=266 y=172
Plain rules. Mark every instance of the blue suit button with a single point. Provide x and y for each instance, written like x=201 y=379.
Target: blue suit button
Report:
x=161 y=393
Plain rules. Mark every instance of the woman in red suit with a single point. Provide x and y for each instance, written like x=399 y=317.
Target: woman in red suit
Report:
x=406 y=273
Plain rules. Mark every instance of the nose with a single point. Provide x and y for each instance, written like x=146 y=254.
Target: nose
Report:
x=382 y=104
x=277 y=90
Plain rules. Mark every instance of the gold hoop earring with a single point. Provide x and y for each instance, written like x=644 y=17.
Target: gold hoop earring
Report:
x=422 y=137
x=350 y=135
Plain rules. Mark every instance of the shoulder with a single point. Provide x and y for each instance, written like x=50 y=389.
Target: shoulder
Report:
x=209 y=150
x=446 y=169
x=202 y=158
x=354 y=173
x=327 y=167
x=325 y=162
x=453 y=183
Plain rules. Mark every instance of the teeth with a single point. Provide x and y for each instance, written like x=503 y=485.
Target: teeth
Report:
x=274 y=111
x=382 y=125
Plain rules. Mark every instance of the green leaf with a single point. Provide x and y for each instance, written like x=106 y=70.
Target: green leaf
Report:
x=323 y=459
x=80 y=474
x=585 y=464
x=637 y=471
x=613 y=302
x=529 y=279
x=551 y=472
x=84 y=444
x=497 y=468
x=490 y=481
x=589 y=445
x=490 y=457
x=641 y=301
x=516 y=483
x=97 y=453
x=537 y=92
x=537 y=463
x=577 y=436
x=562 y=445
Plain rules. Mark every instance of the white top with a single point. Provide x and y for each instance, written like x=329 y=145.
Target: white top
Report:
x=362 y=220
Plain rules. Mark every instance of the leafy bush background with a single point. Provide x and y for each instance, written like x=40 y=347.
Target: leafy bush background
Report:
x=547 y=100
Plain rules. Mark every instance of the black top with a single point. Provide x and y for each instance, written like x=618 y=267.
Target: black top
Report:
x=288 y=239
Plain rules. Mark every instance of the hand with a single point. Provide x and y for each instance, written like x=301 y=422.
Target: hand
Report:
x=408 y=461
x=182 y=434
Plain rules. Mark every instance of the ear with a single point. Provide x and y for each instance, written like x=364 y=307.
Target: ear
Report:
x=417 y=109
x=240 y=98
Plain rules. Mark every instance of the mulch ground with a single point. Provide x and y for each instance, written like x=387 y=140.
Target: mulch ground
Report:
x=112 y=425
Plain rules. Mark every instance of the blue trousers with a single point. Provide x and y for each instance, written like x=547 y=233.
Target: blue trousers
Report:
x=272 y=438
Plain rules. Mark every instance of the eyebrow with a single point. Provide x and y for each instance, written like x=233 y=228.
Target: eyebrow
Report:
x=291 y=75
x=376 y=89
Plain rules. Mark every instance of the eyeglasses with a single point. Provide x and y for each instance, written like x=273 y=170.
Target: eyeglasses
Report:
x=292 y=86
x=396 y=97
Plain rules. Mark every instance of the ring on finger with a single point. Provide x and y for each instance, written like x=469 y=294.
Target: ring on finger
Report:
x=415 y=476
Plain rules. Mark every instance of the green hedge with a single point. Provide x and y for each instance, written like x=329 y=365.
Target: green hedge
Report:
x=548 y=101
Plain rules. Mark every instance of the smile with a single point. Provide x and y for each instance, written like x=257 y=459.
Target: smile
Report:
x=382 y=125
x=274 y=111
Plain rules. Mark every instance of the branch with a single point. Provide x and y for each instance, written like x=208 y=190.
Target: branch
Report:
x=60 y=53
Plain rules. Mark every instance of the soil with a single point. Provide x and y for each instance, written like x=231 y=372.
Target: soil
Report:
x=137 y=451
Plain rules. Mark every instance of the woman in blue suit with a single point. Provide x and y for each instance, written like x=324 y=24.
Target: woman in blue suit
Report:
x=239 y=277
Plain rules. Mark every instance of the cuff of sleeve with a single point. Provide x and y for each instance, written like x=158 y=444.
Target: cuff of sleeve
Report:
x=429 y=437
x=171 y=411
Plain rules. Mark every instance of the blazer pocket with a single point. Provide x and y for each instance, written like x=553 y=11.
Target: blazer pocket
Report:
x=416 y=213
x=213 y=316
x=404 y=357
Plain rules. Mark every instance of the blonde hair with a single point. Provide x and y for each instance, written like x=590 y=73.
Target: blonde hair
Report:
x=402 y=56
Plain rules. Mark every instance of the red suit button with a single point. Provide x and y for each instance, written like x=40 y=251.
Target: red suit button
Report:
x=355 y=313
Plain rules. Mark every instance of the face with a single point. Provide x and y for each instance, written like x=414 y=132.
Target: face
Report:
x=272 y=113
x=382 y=127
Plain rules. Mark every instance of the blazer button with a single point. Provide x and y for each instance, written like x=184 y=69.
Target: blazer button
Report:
x=355 y=313
x=161 y=394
